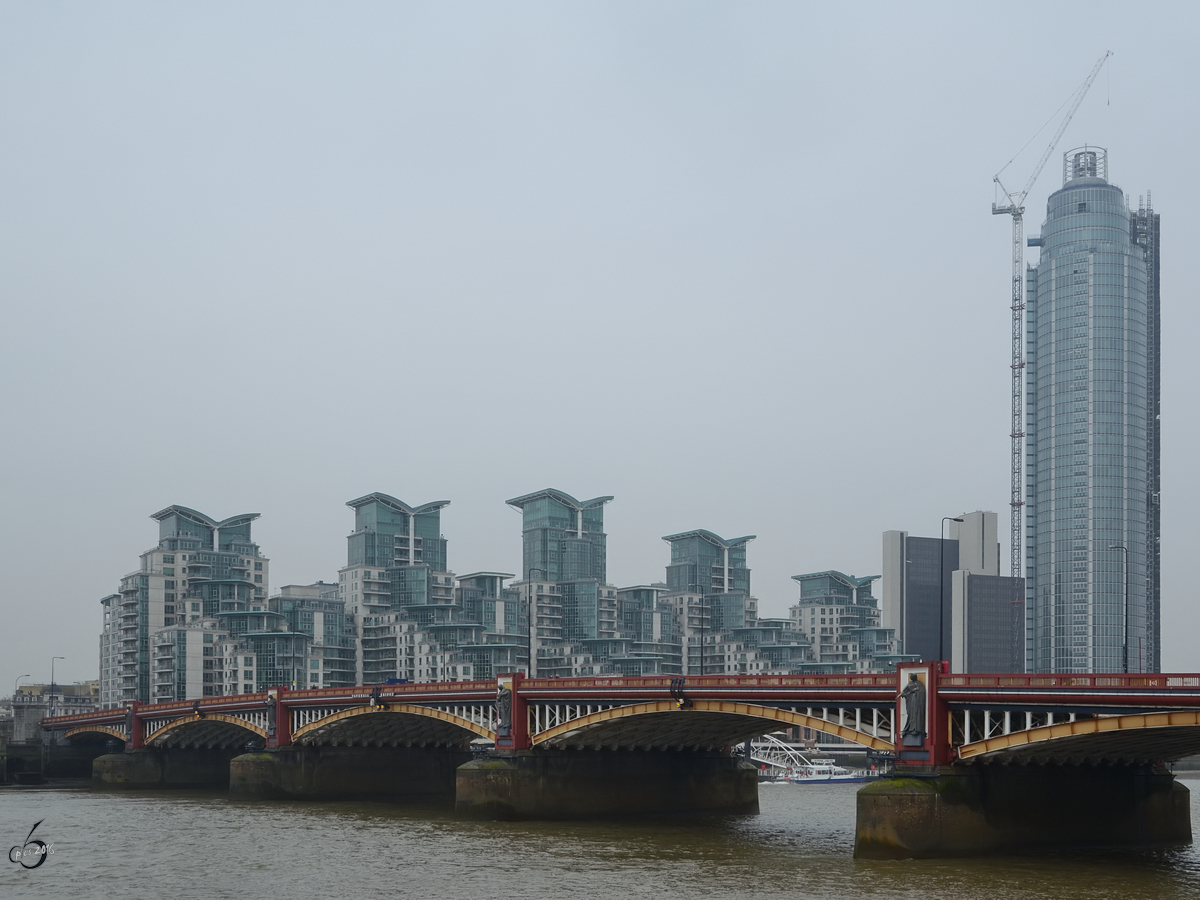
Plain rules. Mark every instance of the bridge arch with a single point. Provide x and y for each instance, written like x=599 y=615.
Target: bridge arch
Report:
x=96 y=731
x=207 y=730
x=1133 y=738
x=662 y=724
x=393 y=724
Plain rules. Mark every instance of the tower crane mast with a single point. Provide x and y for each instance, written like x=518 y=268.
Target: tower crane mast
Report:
x=1016 y=208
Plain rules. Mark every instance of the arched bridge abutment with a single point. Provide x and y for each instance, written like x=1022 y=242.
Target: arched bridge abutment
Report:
x=71 y=753
x=990 y=809
x=991 y=777
x=392 y=751
x=192 y=750
x=651 y=757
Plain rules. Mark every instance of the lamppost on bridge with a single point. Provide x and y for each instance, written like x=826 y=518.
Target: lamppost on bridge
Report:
x=52 y=659
x=942 y=585
x=530 y=614
x=1125 y=628
x=16 y=684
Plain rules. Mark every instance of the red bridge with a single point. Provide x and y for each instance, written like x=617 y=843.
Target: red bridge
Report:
x=1120 y=723
x=1121 y=719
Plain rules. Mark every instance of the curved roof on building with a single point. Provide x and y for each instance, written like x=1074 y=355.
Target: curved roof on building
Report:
x=721 y=542
x=560 y=496
x=849 y=580
x=199 y=517
x=400 y=505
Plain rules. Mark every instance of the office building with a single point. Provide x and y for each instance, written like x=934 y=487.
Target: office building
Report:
x=708 y=586
x=1092 y=457
x=563 y=581
x=915 y=592
x=200 y=568
x=947 y=600
x=394 y=584
x=841 y=618
x=987 y=613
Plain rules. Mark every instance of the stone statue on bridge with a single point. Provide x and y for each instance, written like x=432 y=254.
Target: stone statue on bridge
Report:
x=913 y=696
x=503 y=711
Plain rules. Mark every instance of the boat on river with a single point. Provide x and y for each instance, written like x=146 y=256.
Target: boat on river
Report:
x=825 y=771
x=783 y=763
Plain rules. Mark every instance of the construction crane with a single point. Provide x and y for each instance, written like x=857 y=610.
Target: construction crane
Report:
x=1016 y=209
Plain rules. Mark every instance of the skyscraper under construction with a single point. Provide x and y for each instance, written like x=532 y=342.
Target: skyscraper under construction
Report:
x=1092 y=436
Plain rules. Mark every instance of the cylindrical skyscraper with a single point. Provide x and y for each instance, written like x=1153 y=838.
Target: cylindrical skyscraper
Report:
x=1087 y=413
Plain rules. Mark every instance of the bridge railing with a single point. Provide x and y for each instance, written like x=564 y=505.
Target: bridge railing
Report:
x=1159 y=681
x=305 y=696
x=98 y=716
x=709 y=681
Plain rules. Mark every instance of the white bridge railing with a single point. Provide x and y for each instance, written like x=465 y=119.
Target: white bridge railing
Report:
x=480 y=714
x=543 y=717
x=971 y=726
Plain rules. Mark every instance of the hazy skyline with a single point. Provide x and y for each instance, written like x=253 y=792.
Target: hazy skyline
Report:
x=733 y=264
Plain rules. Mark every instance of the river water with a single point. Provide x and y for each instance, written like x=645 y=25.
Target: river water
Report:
x=195 y=845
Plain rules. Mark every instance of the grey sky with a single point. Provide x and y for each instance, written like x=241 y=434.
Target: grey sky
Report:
x=731 y=263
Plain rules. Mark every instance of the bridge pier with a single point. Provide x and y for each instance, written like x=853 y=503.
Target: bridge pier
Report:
x=172 y=767
x=582 y=784
x=330 y=773
x=979 y=810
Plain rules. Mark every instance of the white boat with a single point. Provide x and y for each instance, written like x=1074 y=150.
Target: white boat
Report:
x=783 y=763
x=824 y=771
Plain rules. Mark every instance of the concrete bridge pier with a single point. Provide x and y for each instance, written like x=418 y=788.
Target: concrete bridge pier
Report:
x=582 y=784
x=172 y=767
x=335 y=773
x=979 y=810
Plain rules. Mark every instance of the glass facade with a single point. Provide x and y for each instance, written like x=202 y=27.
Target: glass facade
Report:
x=1086 y=431
x=562 y=538
x=841 y=619
x=201 y=568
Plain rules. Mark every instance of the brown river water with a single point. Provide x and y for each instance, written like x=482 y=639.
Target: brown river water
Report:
x=196 y=845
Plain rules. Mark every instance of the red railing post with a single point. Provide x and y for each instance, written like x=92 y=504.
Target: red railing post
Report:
x=137 y=729
x=279 y=719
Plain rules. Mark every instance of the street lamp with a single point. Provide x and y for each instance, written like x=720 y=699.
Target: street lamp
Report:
x=52 y=659
x=942 y=585
x=531 y=611
x=1125 y=630
x=17 y=682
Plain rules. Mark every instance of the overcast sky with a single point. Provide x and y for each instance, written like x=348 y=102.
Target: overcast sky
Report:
x=733 y=264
